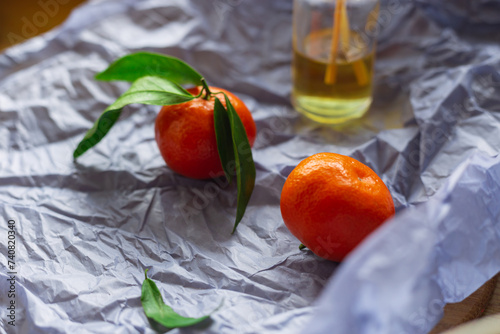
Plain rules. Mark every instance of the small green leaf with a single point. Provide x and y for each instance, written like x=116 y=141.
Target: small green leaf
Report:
x=98 y=131
x=146 y=90
x=245 y=167
x=140 y=64
x=157 y=310
x=224 y=138
x=155 y=91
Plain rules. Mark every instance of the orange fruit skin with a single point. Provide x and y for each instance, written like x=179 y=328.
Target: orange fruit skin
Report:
x=186 y=137
x=331 y=202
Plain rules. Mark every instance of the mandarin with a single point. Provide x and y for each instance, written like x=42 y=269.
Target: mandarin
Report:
x=331 y=202
x=185 y=134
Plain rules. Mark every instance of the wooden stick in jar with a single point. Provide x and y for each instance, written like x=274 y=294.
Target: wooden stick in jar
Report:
x=331 y=70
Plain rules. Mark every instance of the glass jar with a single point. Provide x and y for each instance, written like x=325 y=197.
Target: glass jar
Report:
x=333 y=58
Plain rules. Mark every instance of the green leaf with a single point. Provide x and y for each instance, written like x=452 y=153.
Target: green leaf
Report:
x=137 y=65
x=146 y=90
x=245 y=167
x=98 y=131
x=157 y=310
x=155 y=91
x=224 y=138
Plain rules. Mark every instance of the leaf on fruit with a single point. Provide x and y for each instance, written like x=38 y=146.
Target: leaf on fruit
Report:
x=224 y=138
x=245 y=167
x=158 y=311
x=145 y=90
x=140 y=64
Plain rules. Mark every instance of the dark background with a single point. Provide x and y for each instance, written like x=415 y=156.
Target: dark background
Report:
x=22 y=19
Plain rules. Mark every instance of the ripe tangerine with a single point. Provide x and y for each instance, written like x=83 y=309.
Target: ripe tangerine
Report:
x=331 y=202
x=185 y=134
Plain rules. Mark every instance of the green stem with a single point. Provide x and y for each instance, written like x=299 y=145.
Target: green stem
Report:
x=301 y=247
x=207 y=90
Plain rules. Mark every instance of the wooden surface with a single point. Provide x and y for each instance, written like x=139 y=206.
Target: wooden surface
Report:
x=494 y=304
x=485 y=301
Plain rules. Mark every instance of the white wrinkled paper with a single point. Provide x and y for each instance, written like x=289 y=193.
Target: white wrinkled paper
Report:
x=86 y=231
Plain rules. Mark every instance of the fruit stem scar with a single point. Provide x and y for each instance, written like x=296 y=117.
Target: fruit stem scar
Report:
x=207 y=90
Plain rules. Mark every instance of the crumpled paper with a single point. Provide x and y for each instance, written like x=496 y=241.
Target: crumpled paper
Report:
x=86 y=231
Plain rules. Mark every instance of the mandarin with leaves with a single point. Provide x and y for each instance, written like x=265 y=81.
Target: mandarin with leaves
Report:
x=200 y=134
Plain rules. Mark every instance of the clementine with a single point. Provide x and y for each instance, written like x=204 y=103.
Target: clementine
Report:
x=185 y=134
x=331 y=202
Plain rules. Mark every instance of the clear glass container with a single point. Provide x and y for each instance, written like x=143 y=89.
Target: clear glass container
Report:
x=333 y=58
